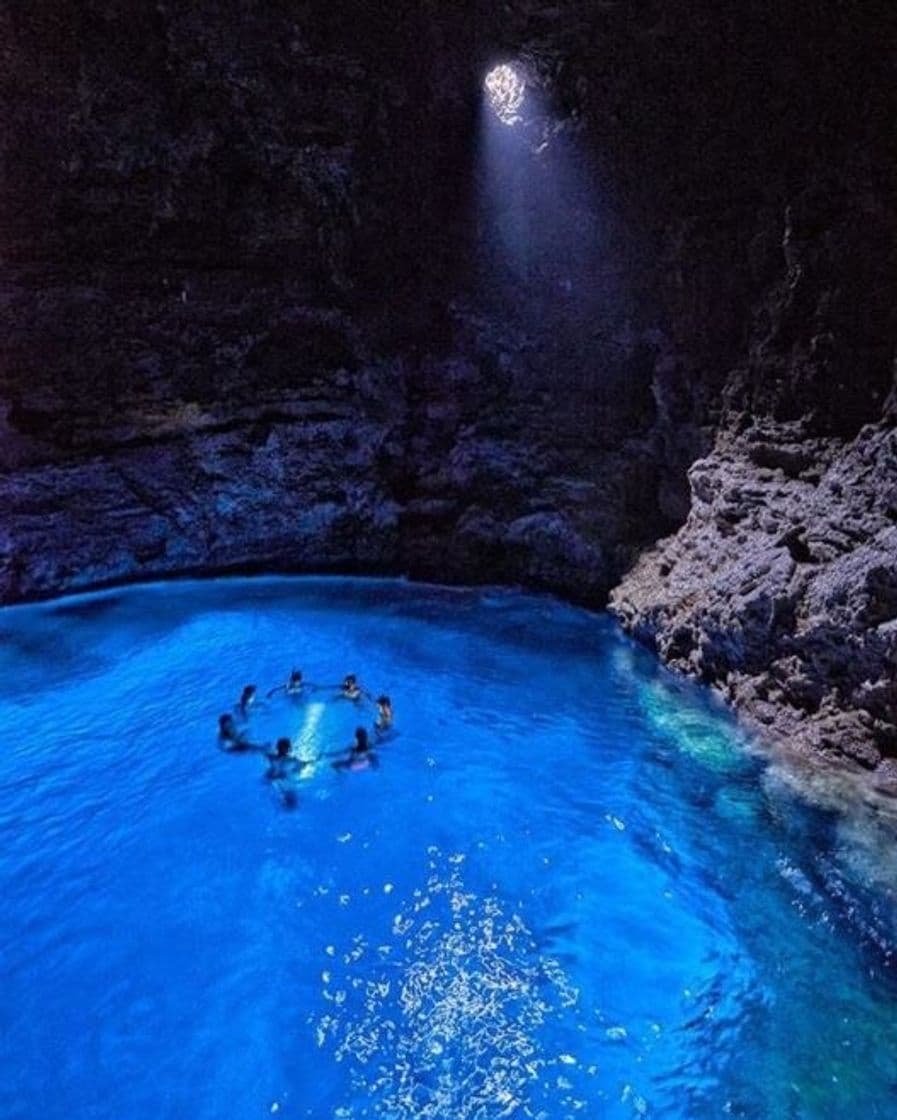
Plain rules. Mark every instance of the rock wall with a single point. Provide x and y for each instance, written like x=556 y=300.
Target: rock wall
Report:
x=780 y=589
x=261 y=313
x=218 y=425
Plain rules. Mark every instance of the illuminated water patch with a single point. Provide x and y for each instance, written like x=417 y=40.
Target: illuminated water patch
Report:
x=449 y=1011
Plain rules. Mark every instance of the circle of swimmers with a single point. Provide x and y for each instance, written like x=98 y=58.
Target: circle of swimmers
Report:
x=283 y=766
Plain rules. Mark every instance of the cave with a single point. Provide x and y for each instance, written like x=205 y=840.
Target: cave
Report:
x=572 y=297
x=594 y=300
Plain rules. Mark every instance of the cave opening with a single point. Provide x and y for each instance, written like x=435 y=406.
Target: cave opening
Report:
x=505 y=88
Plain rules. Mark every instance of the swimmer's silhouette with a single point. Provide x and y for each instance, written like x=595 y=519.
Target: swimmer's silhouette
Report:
x=385 y=716
x=294 y=685
x=350 y=688
x=247 y=699
x=232 y=739
x=359 y=755
x=283 y=768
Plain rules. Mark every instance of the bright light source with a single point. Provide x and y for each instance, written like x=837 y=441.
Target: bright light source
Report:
x=506 y=90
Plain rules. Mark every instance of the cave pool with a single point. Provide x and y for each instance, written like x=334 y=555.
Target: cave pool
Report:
x=572 y=888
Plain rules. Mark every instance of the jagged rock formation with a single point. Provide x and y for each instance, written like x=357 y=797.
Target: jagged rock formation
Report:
x=276 y=298
x=781 y=587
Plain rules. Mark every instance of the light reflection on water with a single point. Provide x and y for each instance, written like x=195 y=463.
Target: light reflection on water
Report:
x=570 y=888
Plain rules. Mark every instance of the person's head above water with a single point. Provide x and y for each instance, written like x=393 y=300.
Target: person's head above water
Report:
x=282 y=747
x=361 y=740
x=295 y=680
x=227 y=729
x=384 y=715
x=351 y=681
x=247 y=695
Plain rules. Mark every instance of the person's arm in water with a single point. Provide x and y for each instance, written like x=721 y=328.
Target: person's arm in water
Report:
x=365 y=761
x=231 y=738
x=324 y=755
x=241 y=746
x=345 y=753
x=280 y=769
x=349 y=680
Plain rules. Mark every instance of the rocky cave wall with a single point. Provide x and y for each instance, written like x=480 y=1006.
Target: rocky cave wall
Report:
x=780 y=589
x=277 y=298
x=239 y=269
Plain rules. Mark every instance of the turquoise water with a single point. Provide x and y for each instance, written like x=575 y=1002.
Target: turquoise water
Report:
x=568 y=890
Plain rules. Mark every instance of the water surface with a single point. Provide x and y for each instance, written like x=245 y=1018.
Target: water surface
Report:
x=570 y=888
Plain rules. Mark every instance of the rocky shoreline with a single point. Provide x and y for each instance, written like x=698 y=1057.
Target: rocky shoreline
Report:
x=780 y=590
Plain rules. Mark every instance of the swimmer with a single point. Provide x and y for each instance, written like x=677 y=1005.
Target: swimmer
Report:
x=384 y=715
x=231 y=737
x=282 y=766
x=247 y=699
x=350 y=688
x=227 y=729
x=281 y=762
x=293 y=686
x=360 y=755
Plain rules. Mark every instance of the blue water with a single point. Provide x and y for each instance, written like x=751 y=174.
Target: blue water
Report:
x=569 y=890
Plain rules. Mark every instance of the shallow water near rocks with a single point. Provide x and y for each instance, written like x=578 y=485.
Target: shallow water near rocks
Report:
x=569 y=889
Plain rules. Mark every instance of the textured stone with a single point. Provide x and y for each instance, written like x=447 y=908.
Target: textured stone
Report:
x=802 y=639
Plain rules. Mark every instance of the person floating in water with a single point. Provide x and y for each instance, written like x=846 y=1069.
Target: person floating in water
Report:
x=350 y=688
x=384 y=720
x=293 y=686
x=360 y=756
x=231 y=737
x=282 y=763
x=283 y=768
x=247 y=700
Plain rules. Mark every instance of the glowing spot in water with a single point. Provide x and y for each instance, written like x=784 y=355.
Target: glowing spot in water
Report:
x=453 y=1025
x=506 y=90
x=306 y=743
